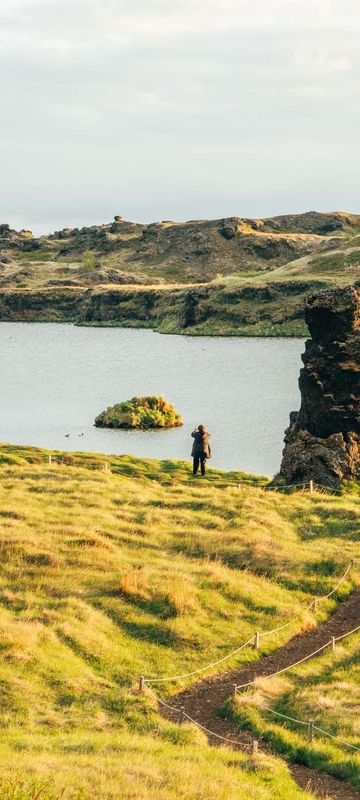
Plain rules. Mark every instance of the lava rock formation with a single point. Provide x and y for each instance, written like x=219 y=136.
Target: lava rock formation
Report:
x=322 y=442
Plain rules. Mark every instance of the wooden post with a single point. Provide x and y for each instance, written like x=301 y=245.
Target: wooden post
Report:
x=141 y=683
x=257 y=640
x=239 y=487
x=255 y=747
x=50 y=460
x=311 y=486
x=314 y=605
x=333 y=643
x=234 y=690
x=181 y=714
x=310 y=730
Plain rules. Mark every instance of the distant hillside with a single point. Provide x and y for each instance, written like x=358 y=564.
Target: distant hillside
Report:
x=226 y=276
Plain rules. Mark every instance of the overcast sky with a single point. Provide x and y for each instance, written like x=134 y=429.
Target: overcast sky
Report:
x=177 y=109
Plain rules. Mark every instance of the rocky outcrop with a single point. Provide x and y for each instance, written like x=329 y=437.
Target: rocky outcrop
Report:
x=323 y=440
x=263 y=310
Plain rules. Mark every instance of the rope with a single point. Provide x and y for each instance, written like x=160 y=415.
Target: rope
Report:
x=217 y=735
x=321 y=730
x=284 y=669
x=284 y=716
x=302 y=485
x=165 y=679
x=198 y=724
x=328 y=488
x=201 y=669
x=336 y=738
x=162 y=703
x=317 y=599
x=326 y=596
x=244 y=745
x=347 y=634
x=285 y=486
x=82 y=464
x=281 y=627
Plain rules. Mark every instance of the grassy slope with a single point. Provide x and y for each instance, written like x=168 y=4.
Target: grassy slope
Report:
x=325 y=690
x=256 y=282
x=106 y=576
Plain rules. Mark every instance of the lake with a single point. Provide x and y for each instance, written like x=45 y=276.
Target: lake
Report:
x=56 y=378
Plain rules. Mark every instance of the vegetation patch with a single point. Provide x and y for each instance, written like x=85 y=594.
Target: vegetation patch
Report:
x=140 y=412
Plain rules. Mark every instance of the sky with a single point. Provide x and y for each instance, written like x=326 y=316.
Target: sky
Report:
x=177 y=109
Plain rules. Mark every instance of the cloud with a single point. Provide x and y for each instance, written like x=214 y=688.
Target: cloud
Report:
x=319 y=62
x=162 y=107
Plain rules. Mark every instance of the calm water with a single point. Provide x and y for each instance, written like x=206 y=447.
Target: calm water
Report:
x=56 y=378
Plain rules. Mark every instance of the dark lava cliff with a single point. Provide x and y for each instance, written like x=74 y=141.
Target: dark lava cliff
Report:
x=323 y=440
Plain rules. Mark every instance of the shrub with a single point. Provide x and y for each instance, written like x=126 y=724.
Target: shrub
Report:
x=140 y=412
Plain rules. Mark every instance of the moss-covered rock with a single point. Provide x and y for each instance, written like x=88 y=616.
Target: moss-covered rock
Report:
x=140 y=412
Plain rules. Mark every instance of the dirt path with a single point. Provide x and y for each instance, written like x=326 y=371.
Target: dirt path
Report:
x=203 y=699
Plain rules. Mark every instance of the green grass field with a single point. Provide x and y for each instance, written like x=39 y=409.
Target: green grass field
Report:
x=326 y=690
x=140 y=569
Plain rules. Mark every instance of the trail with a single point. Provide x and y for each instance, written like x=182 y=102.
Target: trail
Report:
x=203 y=699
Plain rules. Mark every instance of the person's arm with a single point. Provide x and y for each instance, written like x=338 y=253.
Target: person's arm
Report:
x=194 y=433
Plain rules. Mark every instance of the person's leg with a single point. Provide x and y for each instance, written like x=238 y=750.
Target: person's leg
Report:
x=203 y=466
x=195 y=464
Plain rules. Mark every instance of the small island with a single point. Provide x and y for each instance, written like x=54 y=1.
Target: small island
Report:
x=140 y=412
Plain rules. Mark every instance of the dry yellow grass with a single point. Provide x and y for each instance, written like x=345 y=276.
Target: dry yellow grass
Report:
x=108 y=575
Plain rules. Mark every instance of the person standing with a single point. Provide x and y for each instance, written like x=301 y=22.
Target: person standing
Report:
x=201 y=449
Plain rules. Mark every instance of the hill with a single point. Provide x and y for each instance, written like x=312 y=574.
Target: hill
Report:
x=231 y=276
x=139 y=569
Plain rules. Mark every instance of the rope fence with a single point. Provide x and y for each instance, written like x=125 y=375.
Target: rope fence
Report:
x=311 y=485
x=331 y=642
x=254 y=639
x=182 y=716
x=282 y=670
x=310 y=724
x=311 y=727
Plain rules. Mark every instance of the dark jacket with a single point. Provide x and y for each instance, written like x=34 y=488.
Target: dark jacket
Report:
x=201 y=445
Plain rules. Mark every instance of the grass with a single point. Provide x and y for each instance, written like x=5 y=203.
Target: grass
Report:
x=337 y=262
x=325 y=690
x=143 y=570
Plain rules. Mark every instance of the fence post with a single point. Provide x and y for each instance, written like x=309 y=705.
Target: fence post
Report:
x=311 y=486
x=255 y=747
x=50 y=459
x=333 y=643
x=257 y=640
x=141 y=683
x=234 y=689
x=181 y=714
x=310 y=730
